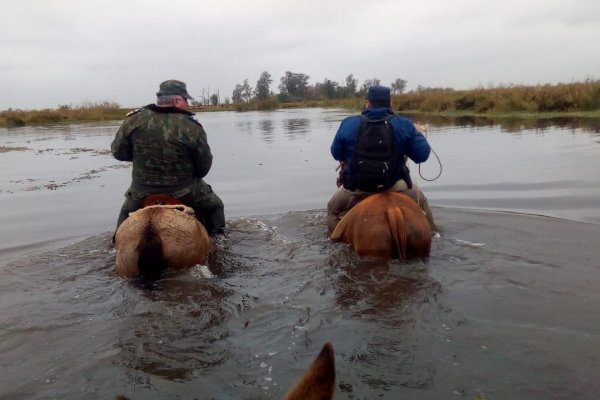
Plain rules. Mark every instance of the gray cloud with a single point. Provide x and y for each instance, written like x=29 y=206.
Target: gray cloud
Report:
x=68 y=51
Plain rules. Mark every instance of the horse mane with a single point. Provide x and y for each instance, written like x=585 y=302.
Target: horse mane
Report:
x=151 y=260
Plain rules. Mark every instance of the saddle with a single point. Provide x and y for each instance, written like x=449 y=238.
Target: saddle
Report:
x=160 y=199
x=166 y=201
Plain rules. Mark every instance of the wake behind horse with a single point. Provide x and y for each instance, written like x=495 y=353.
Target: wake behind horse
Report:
x=386 y=225
x=160 y=236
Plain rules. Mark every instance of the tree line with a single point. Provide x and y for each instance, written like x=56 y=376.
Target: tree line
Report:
x=295 y=87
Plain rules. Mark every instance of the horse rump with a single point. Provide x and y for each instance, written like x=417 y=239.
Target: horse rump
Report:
x=151 y=260
x=386 y=225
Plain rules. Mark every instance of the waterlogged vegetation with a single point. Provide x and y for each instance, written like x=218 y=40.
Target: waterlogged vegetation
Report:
x=87 y=112
x=581 y=98
x=507 y=103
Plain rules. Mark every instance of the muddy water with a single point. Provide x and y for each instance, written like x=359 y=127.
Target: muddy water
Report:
x=505 y=307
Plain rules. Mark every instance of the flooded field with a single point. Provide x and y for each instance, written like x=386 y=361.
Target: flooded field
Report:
x=505 y=308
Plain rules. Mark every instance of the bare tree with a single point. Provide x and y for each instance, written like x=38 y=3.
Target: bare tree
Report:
x=367 y=84
x=236 y=96
x=351 y=85
x=398 y=86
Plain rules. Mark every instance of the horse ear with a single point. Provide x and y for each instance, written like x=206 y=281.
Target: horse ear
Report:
x=318 y=382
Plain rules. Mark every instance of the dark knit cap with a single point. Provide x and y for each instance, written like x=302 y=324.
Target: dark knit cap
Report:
x=378 y=94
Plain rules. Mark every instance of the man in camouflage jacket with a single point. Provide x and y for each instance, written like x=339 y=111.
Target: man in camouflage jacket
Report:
x=170 y=154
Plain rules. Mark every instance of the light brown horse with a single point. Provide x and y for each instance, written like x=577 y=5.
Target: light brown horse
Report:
x=318 y=382
x=160 y=236
x=386 y=225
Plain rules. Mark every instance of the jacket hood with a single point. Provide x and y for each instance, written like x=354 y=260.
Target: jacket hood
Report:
x=377 y=112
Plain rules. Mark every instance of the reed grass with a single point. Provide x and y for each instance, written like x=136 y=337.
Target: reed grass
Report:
x=581 y=97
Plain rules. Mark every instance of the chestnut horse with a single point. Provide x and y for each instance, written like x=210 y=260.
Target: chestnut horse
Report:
x=161 y=235
x=386 y=225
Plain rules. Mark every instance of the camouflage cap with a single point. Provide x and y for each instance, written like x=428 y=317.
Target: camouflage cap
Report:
x=173 y=87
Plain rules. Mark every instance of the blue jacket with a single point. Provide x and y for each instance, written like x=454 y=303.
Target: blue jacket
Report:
x=408 y=141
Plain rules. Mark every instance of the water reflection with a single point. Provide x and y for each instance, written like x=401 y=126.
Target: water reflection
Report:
x=266 y=129
x=296 y=127
x=512 y=125
x=265 y=125
x=244 y=126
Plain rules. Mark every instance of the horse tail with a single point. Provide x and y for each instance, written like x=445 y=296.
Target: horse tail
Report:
x=151 y=259
x=397 y=224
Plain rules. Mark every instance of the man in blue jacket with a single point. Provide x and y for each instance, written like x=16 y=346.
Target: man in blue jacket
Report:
x=404 y=141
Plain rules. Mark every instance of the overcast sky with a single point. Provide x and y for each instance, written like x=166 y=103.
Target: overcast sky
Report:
x=74 y=51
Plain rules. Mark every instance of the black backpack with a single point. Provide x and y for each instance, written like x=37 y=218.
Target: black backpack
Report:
x=374 y=164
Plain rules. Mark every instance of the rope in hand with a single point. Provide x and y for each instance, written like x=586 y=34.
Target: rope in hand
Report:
x=423 y=129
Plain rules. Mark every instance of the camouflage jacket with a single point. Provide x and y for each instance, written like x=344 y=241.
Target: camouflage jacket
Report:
x=168 y=148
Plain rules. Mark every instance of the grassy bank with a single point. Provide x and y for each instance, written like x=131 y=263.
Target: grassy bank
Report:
x=63 y=115
x=581 y=98
x=573 y=100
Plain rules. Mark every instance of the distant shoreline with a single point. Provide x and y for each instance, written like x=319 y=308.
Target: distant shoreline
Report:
x=572 y=100
x=55 y=117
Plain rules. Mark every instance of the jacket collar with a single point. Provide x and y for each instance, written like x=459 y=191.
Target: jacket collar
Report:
x=155 y=108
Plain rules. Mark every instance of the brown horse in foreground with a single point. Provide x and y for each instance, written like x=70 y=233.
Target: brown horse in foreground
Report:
x=160 y=236
x=386 y=225
x=318 y=382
